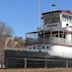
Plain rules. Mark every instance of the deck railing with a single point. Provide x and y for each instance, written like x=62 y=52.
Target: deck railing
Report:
x=56 y=40
x=59 y=40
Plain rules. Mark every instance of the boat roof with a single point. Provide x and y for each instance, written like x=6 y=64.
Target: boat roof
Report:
x=48 y=32
x=58 y=11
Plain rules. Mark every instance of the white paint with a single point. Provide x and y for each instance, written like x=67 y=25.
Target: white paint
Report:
x=68 y=28
x=38 y=48
x=64 y=22
x=60 y=51
x=53 y=50
x=68 y=35
x=68 y=38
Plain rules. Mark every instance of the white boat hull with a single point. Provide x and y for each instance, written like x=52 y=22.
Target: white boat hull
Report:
x=60 y=51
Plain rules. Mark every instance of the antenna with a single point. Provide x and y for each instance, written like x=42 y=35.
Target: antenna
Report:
x=53 y=5
x=38 y=28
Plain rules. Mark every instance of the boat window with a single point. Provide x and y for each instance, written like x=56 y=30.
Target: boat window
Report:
x=70 y=17
x=64 y=35
x=61 y=35
x=66 y=24
x=43 y=47
x=67 y=18
x=52 y=19
x=29 y=48
x=57 y=35
x=47 y=47
x=34 y=47
x=55 y=19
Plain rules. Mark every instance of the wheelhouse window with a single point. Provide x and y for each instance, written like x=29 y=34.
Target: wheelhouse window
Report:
x=67 y=18
x=52 y=19
x=55 y=19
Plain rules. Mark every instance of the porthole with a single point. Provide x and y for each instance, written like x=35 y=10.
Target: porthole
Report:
x=66 y=24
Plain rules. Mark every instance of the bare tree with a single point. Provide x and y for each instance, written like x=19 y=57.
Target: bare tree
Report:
x=5 y=31
x=19 y=42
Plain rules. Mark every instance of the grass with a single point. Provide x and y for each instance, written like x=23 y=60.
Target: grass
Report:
x=38 y=70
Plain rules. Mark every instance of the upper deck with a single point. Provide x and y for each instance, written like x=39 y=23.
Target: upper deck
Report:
x=56 y=20
x=45 y=37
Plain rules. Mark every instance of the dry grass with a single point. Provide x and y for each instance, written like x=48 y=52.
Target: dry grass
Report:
x=38 y=70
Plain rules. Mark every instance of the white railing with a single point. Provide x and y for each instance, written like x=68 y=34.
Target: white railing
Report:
x=56 y=40
x=18 y=49
x=59 y=40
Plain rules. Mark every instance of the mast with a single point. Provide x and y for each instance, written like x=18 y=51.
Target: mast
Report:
x=38 y=28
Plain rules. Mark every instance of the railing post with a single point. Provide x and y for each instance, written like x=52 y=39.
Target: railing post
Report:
x=51 y=33
x=46 y=61
x=66 y=63
x=25 y=62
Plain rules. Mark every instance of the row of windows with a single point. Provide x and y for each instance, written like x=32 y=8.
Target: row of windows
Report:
x=61 y=35
x=52 y=20
x=43 y=47
x=67 y=18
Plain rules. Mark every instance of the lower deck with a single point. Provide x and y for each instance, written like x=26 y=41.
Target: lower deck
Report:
x=24 y=59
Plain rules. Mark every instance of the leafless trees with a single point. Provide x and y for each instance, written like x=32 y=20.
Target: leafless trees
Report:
x=19 y=42
x=5 y=31
x=6 y=38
